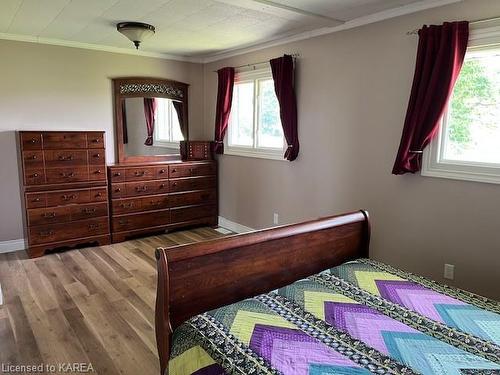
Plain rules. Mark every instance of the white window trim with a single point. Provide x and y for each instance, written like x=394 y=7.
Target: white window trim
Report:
x=250 y=151
x=482 y=37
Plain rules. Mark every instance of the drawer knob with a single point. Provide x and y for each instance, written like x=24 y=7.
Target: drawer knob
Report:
x=174 y=170
x=35 y=174
x=34 y=140
x=98 y=171
x=49 y=215
x=36 y=200
x=117 y=190
x=127 y=205
x=93 y=226
x=67 y=175
x=46 y=233
x=89 y=210
x=162 y=170
x=141 y=173
x=66 y=158
x=141 y=188
x=68 y=197
x=117 y=174
x=99 y=194
x=97 y=156
x=174 y=184
x=34 y=157
x=96 y=140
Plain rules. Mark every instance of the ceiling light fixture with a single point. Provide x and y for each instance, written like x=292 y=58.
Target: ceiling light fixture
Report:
x=135 y=31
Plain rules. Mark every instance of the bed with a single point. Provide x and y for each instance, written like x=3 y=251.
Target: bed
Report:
x=306 y=299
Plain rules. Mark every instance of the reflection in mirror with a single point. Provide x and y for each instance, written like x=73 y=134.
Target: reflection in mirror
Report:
x=152 y=126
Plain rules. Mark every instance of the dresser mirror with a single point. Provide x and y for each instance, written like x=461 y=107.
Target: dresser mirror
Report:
x=151 y=119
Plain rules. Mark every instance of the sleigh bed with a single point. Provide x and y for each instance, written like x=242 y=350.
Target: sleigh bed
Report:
x=305 y=299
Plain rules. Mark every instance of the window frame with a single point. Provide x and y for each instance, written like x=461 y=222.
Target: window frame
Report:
x=158 y=142
x=254 y=151
x=434 y=164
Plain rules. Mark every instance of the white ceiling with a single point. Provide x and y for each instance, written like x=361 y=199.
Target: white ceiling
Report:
x=191 y=28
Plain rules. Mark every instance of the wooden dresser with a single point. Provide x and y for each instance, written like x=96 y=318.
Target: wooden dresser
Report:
x=64 y=188
x=152 y=198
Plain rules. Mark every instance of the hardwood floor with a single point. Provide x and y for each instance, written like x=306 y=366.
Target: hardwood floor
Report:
x=93 y=306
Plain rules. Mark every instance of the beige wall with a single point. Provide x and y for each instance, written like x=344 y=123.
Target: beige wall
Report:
x=353 y=89
x=59 y=88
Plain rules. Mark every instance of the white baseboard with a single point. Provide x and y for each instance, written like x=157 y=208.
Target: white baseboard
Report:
x=12 y=245
x=232 y=226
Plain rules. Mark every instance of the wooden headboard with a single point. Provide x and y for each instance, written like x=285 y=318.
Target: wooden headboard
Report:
x=199 y=277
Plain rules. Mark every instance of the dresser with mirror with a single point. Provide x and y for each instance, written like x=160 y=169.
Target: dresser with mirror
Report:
x=151 y=189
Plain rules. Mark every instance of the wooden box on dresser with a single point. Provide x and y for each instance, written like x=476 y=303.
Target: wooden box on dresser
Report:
x=154 y=197
x=64 y=189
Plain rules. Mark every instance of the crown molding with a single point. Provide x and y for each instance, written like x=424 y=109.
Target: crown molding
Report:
x=98 y=47
x=204 y=59
x=357 y=22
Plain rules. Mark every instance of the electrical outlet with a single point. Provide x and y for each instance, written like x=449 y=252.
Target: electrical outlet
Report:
x=276 y=218
x=449 y=271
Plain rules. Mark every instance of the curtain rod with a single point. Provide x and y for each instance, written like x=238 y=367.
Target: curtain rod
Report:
x=294 y=55
x=415 y=32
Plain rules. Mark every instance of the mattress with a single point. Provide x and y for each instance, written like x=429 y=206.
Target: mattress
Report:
x=362 y=317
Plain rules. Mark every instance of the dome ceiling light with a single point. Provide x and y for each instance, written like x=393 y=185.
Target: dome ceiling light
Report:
x=135 y=31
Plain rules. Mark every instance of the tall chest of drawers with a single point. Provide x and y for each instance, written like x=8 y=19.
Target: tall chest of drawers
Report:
x=64 y=189
x=152 y=198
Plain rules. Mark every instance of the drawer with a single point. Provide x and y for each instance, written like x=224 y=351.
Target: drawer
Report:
x=65 y=158
x=61 y=232
x=129 y=205
x=33 y=159
x=34 y=176
x=64 y=197
x=140 y=174
x=118 y=191
x=195 y=183
x=142 y=220
x=36 y=200
x=98 y=195
x=190 y=213
x=95 y=140
x=59 y=140
x=161 y=172
x=117 y=175
x=64 y=175
x=97 y=157
x=31 y=140
x=191 y=198
x=88 y=211
x=40 y=216
x=97 y=173
x=190 y=170
x=133 y=189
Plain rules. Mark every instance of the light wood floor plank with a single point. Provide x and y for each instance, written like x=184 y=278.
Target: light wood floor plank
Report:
x=93 y=305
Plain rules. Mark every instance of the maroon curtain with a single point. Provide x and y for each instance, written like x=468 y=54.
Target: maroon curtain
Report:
x=149 y=113
x=283 y=75
x=124 y=122
x=179 y=109
x=440 y=55
x=223 y=109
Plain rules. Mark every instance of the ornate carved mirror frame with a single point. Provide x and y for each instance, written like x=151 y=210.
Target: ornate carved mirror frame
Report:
x=142 y=87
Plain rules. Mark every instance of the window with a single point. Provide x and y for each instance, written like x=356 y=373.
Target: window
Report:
x=468 y=144
x=167 y=132
x=254 y=124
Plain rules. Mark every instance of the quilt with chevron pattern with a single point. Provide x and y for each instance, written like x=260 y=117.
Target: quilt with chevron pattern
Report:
x=362 y=317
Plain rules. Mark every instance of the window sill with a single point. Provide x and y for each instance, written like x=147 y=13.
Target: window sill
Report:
x=259 y=154
x=459 y=171
x=172 y=145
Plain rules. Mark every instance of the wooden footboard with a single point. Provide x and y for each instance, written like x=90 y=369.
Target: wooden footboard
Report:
x=199 y=277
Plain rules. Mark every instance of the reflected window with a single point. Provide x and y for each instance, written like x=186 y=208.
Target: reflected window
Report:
x=167 y=131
